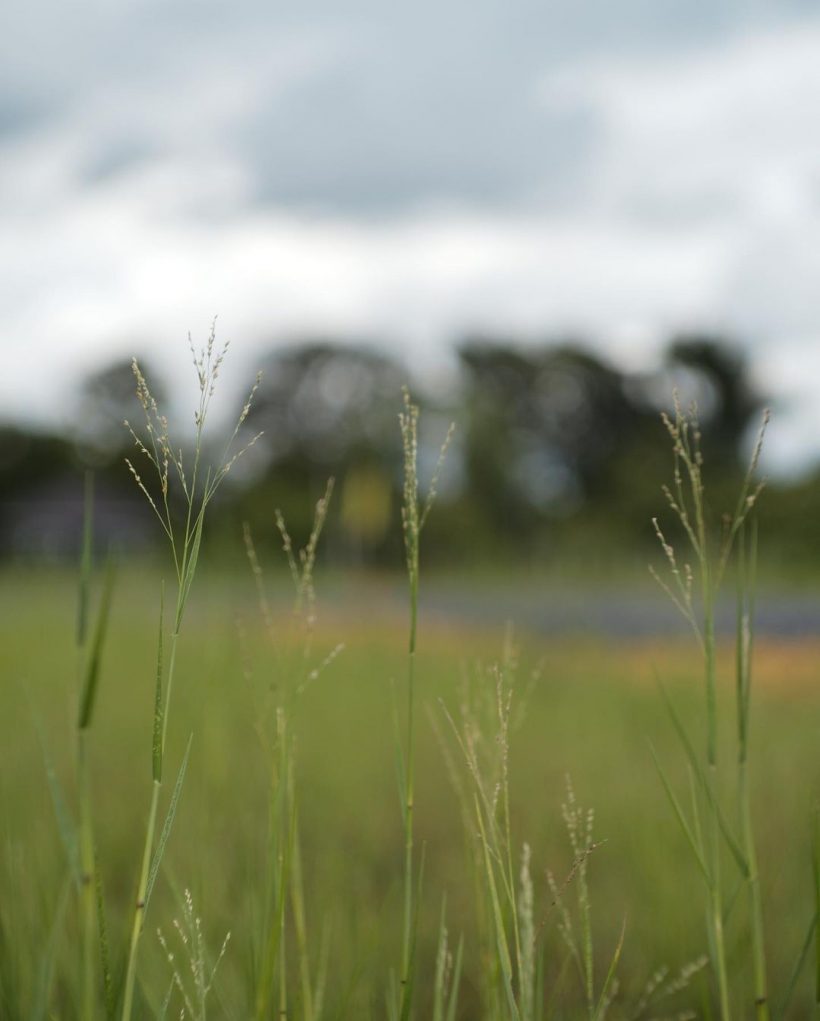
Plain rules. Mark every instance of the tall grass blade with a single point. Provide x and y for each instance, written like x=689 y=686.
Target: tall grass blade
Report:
x=681 y=817
x=440 y=979
x=500 y=931
x=799 y=964
x=191 y=561
x=92 y=668
x=728 y=836
x=66 y=826
x=455 y=982
x=86 y=560
x=163 y=1010
x=409 y=986
x=603 y=999
x=45 y=975
x=816 y=877
x=157 y=748
x=156 y=861
x=105 y=953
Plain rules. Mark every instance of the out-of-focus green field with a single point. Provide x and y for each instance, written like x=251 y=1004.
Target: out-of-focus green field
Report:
x=592 y=713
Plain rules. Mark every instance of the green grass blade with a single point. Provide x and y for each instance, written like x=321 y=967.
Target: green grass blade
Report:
x=600 y=1009
x=163 y=1010
x=191 y=561
x=816 y=877
x=66 y=826
x=455 y=982
x=504 y=959
x=681 y=817
x=105 y=954
x=798 y=966
x=439 y=991
x=166 y=826
x=407 y=992
x=157 y=750
x=688 y=747
x=92 y=668
x=45 y=975
x=86 y=560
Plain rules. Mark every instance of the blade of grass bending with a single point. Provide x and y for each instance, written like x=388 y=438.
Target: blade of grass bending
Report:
x=92 y=669
x=600 y=1010
x=682 y=820
x=798 y=966
x=156 y=758
x=84 y=588
x=731 y=841
x=166 y=826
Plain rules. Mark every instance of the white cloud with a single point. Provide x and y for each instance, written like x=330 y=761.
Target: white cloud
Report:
x=700 y=208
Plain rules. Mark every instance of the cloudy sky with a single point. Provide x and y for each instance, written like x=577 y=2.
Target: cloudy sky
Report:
x=409 y=171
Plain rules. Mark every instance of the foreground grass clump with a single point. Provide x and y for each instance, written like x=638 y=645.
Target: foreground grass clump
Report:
x=491 y=893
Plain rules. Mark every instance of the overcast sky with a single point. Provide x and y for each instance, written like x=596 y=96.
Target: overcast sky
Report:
x=409 y=171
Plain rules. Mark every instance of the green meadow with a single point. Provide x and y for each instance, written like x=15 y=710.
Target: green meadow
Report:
x=590 y=711
x=223 y=797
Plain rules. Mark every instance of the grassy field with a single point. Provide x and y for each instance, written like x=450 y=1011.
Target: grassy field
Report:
x=591 y=711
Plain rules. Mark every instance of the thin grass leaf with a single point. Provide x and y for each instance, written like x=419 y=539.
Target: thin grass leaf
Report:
x=190 y=565
x=500 y=931
x=86 y=560
x=392 y=999
x=401 y=774
x=166 y=826
x=407 y=992
x=455 y=982
x=682 y=820
x=45 y=974
x=798 y=965
x=105 y=954
x=157 y=750
x=163 y=1010
x=600 y=1009
x=440 y=979
x=66 y=826
x=816 y=877
x=688 y=747
x=92 y=669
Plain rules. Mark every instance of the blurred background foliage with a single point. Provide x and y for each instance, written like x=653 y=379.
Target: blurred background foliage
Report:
x=556 y=451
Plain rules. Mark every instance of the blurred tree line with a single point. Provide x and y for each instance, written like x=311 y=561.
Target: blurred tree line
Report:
x=557 y=452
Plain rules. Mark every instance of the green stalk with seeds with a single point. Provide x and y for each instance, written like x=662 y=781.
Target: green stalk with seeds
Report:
x=185 y=540
x=686 y=498
x=414 y=516
x=284 y=894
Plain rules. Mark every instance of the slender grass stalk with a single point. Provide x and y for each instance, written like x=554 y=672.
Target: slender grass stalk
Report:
x=686 y=499
x=86 y=838
x=414 y=517
x=283 y=876
x=91 y=656
x=198 y=487
x=747 y=564
x=815 y=869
